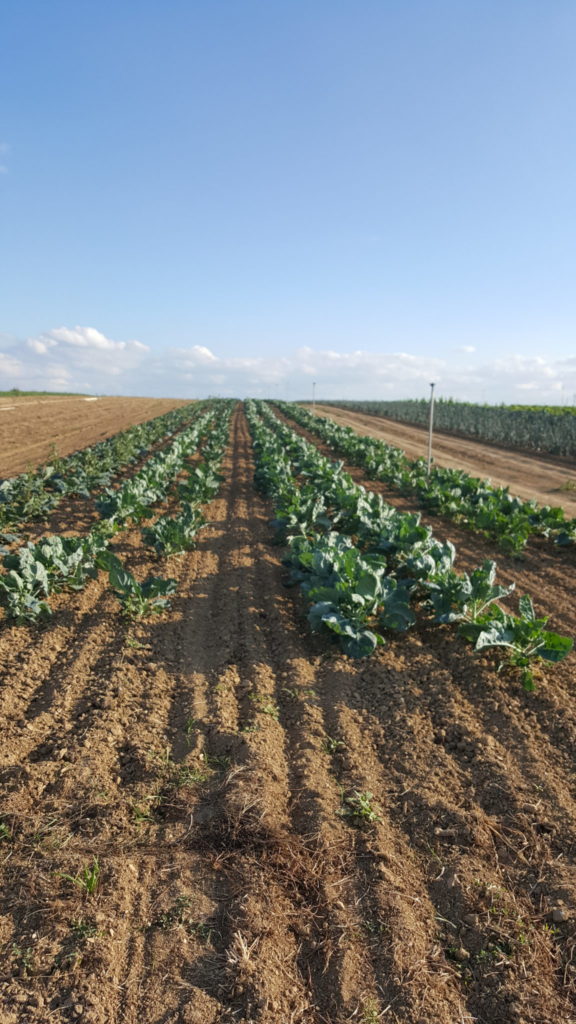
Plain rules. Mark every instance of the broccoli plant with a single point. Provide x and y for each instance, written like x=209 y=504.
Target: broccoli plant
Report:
x=344 y=586
x=201 y=485
x=68 y=561
x=139 y=600
x=465 y=597
x=169 y=536
x=524 y=636
x=23 y=593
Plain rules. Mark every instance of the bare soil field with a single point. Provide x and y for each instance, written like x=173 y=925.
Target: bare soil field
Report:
x=30 y=428
x=208 y=759
x=528 y=476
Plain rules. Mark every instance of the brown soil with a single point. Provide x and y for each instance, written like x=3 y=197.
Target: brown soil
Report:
x=203 y=758
x=528 y=476
x=31 y=428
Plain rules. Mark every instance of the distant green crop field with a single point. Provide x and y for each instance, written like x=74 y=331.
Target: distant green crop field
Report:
x=16 y=393
x=538 y=428
x=554 y=410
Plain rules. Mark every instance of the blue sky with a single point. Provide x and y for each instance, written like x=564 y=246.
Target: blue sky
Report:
x=262 y=193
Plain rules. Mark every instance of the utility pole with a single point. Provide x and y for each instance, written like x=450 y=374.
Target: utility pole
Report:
x=430 y=426
x=313 y=397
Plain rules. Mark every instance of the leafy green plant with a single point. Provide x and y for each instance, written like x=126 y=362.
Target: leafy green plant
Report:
x=359 y=807
x=140 y=599
x=177 y=915
x=48 y=566
x=332 y=746
x=84 y=929
x=132 y=642
x=23 y=956
x=370 y=1013
x=144 y=815
x=87 y=879
x=170 y=535
x=344 y=586
x=185 y=775
x=217 y=762
x=201 y=485
x=465 y=597
x=302 y=513
x=190 y=726
x=23 y=593
x=68 y=561
x=540 y=428
x=524 y=636
x=265 y=705
x=180 y=915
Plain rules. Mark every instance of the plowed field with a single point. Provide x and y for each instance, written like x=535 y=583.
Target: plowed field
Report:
x=207 y=759
x=32 y=428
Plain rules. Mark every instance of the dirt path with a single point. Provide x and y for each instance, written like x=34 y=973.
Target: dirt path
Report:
x=205 y=758
x=30 y=430
x=528 y=476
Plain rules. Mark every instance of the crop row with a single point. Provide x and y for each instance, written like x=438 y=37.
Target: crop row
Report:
x=34 y=571
x=533 y=428
x=34 y=494
x=470 y=501
x=366 y=568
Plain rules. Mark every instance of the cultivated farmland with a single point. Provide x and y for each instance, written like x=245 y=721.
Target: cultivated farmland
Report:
x=211 y=813
x=551 y=481
x=30 y=428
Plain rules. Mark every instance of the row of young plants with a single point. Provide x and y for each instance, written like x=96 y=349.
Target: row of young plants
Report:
x=469 y=501
x=35 y=571
x=365 y=567
x=535 y=428
x=34 y=494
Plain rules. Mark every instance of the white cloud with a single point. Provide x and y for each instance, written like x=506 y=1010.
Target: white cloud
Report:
x=9 y=367
x=82 y=337
x=40 y=346
x=85 y=359
x=74 y=358
x=81 y=354
x=197 y=355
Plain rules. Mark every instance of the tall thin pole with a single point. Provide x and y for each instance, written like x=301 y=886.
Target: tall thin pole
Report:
x=313 y=397
x=430 y=427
